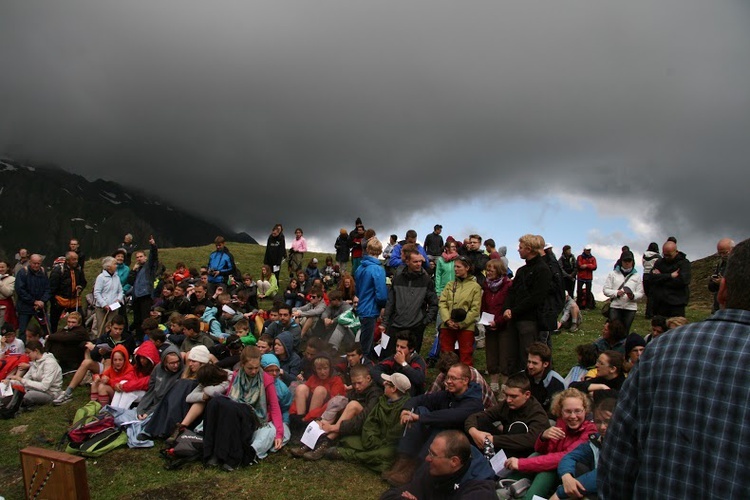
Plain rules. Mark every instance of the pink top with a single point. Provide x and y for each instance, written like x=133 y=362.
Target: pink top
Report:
x=299 y=245
x=552 y=450
x=273 y=409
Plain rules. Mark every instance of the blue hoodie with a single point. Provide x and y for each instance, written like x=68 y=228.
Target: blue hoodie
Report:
x=371 y=289
x=292 y=365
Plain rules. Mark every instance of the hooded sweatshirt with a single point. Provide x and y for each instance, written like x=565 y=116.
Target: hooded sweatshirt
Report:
x=292 y=365
x=137 y=381
x=160 y=382
x=68 y=346
x=44 y=375
x=125 y=373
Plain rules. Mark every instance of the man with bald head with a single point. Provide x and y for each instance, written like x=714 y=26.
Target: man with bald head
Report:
x=670 y=282
x=66 y=282
x=723 y=249
x=32 y=287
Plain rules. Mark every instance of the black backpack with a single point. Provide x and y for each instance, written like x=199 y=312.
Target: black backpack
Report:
x=188 y=447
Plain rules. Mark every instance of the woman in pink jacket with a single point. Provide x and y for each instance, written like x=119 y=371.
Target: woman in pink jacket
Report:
x=571 y=429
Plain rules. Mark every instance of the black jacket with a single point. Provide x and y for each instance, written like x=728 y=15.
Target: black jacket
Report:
x=669 y=290
x=433 y=244
x=412 y=300
x=530 y=288
x=61 y=282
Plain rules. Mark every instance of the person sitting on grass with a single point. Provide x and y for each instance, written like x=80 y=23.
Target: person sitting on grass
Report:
x=634 y=347
x=240 y=429
x=545 y=382
x=375 y=445
x=293 y=296
x=407 y=361
x=610 y=374
x=577 y=484
x=313 y=347
x=571 y=429
x=586 y=366
x=520 y=416
x=344 y=415
x=268 y=285
x=265 y=344
x=354 y=357
x=191 y=327
x=97 y=356
x=658 y=327
x=448 y=359
x=40 y=385
x=311 y=396
x=67 y=344
x=291 y=364
x=309 y=314
x=163 y=377
x=242 y=330
x=120 y=371
x=284 y=323
x=271 y=365
x=613 y=337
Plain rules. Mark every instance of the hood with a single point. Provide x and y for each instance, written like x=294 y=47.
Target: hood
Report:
x=171 y=350
x=368 y=261
x=473 y=391
x=149 y=350
x=269 y=359
x=287 y=341
x=503 y=251
x=209 y=314
x=124 y=351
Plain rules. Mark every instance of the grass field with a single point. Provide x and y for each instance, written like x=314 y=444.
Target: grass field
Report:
x=139 y=474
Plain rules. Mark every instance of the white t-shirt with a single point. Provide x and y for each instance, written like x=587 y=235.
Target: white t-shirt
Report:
x=15 y=347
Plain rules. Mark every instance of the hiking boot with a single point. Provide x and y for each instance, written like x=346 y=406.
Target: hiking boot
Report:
x=171 y=440
x=212 y=462
x=403 y=473
x=574 y=328
x=62 y=399
x=332 y=453
x=316 y=454
x=299 y=451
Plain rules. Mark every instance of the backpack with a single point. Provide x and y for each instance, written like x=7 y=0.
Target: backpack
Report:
x=101 y=443
x=84 y=415
x=188 y=447
x=84 y=432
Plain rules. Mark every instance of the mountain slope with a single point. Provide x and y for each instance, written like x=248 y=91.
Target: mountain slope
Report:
x=43 y=207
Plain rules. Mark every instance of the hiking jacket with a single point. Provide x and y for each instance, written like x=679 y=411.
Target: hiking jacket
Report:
x=520 y=427
x=371 y=288
x=292 y=365
x=31 y=286
x=44 y=375
x=68 y=346
x=587 y=273
x=222 y=261
x=444 y=273
x=465 y=294
x=342 y=248
x=412 y=301
x=569 y=267
x=530 y=288
x=613 y=282
x=107 y=289
x=669 y=290
x=414 y=370
x=446 y=410
x=275 y=250
x=61 y=281
x=551 y=451
x=433 y=244
x=492 y=302
x=368 y=399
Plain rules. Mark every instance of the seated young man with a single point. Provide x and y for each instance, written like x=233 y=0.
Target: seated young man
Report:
x=67 y=344
x=191 y=327
x=265 y=344
x=96 y=357
x=575 y=482
x=329 y=327
x=285 y=323
x=313 y=348
x=354 y=357
x=571 y=318
x=450 y=358
x=344 y=415
x=290 y=362
x=407 y=361
x=545 y=382
x=375 y=445
x=521 y=420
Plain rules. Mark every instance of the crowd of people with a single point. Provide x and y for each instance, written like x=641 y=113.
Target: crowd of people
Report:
x=251 y=367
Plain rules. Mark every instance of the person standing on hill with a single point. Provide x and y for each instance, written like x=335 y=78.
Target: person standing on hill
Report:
x=296 y=252
x=275 y=250
x=341 y=246
x=433 y=243
x=372 y=294
x=670 y=282
x=32 y=287
x=66 y=282
x=129 y=247
x=220 y=265
x=723 y=249
x=569 y=267
x=586 y=267
x=142 y=279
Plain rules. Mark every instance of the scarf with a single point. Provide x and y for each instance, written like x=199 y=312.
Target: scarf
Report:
x=494 y=285
x=449 y=256
x=250 y=391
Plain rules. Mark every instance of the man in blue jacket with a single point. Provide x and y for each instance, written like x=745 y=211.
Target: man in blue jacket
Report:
x=430 y=414
x=372 y=294
x=220 y=265
x=142 y=279
x=32 y=287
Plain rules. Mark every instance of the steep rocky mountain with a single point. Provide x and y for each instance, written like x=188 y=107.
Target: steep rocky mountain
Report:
x=42 y=207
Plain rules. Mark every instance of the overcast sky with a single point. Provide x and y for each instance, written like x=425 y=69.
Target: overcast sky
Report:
x=602 y=122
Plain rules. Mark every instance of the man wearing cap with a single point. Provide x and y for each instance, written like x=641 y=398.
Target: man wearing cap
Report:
x=586 y=267
x=375 y=446
x=624 y=288
x=433 y=243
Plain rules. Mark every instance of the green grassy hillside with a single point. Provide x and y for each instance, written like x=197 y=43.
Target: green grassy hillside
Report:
x=139 y=474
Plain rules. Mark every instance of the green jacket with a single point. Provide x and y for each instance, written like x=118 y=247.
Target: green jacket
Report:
x=444 y=273
x=465 y=294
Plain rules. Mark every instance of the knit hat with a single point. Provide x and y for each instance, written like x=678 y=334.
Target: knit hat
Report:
x=632 y=341
x=627 y=256
x=269 y=360
x=399 y=381
x=200 y=354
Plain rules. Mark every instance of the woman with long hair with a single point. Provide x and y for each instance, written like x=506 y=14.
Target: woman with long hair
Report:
x=459 y=307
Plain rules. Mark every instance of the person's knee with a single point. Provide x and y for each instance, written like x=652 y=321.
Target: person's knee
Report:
x=302 y=390
x=354 y=408
x=320 y=391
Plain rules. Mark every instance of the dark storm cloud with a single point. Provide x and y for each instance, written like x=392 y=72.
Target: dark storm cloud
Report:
x=317 y=112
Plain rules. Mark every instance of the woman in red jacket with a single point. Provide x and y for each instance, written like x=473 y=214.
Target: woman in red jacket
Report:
x=571 y=429
x=495 y=290
x=119 y=371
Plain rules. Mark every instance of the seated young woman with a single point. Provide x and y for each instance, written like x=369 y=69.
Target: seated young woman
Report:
x=571 y=429
x=241 y=428
x=311 y=396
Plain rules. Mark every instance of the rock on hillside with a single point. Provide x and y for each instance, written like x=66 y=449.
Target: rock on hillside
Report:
x=43 y=207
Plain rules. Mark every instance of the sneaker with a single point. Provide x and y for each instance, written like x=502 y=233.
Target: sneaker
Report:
x=62 y=399
x=227 y=468
x=212 y=462
x=171 y=440
x=574 y=328
x=88 y=379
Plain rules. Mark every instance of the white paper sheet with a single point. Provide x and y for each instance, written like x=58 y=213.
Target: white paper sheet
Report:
x=126 y=399
x=537 y=497
x=276 y=269
x=5 y=390
x=311 y=435
x=486 y=318
x=114 y=306
x=498 y=464
x=378 y=349
x=384 y=339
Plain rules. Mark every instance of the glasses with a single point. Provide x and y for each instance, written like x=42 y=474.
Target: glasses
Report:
x=573 y=412
x=432 y=454
x=454 y=379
